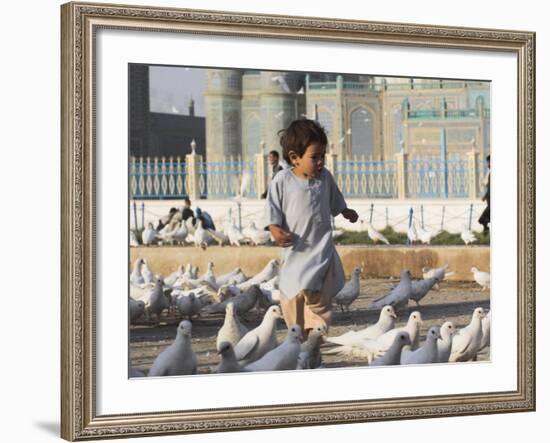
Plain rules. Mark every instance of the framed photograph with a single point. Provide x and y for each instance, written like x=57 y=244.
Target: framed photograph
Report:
x=271 y=221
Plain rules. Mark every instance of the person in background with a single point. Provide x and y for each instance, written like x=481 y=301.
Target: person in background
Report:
x=186 y=211
x=485 y=218
x=273 y=158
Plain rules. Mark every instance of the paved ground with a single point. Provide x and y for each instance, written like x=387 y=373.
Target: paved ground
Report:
x=455 y=302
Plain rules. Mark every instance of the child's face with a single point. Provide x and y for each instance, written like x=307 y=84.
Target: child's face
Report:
x=312 y=162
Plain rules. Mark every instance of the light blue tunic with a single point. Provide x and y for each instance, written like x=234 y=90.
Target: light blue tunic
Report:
x=304 y=208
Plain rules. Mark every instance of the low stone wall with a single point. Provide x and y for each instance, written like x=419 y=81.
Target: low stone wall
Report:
x=377 y=261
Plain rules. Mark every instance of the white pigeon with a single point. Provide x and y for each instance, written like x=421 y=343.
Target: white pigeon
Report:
x=136 y=308
x=257 y=236
x=445 y=343
x=173 y=277
x=412 y=235
x=427 y=353
x=283 y=357
x=392 y=356
x=228 y=360
x=201 y=235
x=133 y=238
x=226 y=278
x=467 y=236
x=178 y=358
x=209 y=277
x=267 y=273
x=439 y=273
x=232 y=330
x=146 y=273
x=373 y=348
x=135 y=277
x=467 y=341
x=220 y=237
x=483 y=279
x=377 y=347
x=166 y=234
x=149 y=235
x=281 y=81
x=349 y=292
x=259 y=340
x=235 y=236
x=426 y=236
x=386 y=321
x=486 y=331
x=181 y=233
x=376 y=236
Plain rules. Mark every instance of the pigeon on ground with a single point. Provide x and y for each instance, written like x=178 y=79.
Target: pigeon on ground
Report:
x=373 y=348
x=146 y=273
x=189 y=306
x=439 y=273
x=399 y=296
x=467 y=341
x=426 y=236
x=201 y=235
x=427 y=353
x=467 y=236
x=220 y=237
x=228 y=362
x=226 y=278
x=267 y=273
x=310 y=352
x=483 y=279
x=412 y=235
x=486 y=331
x=232 y=330
x=135 y=277
x=349 y=292
x=235 y=236
x=259 y=340
x=420 y=288
x=386 y=321
x=149 y=235
x=158 y=301
x=172 y=278
x=282 y=358
x=376 y=236
x=181 y=233
x=445 y=343
x=137 y=309
x=393 y=354
x=256 y=236
x=243 y=302
x=178 y=358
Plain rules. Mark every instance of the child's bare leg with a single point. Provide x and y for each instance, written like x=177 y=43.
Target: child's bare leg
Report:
x=293 y=310
x=317 y=310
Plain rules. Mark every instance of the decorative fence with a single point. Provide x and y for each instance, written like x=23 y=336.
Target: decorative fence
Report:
x=360 y=177
x=452 y=176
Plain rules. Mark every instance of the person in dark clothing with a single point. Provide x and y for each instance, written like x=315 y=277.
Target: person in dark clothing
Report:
x=273 y=158
x=186 y=211
x=485 y=218
x=205 y=218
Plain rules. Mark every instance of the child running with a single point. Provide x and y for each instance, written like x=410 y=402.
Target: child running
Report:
x=300 y=203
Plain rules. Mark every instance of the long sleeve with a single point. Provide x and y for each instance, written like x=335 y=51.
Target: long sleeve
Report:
x=337 y=201
x=274 y=205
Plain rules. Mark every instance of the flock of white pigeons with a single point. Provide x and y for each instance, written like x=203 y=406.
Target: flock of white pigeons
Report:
x=173 y=230
x=187 y=295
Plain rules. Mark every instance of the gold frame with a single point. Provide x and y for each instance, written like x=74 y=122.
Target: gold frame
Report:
x=79 y=23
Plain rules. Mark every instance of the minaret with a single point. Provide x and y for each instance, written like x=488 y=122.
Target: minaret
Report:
x=191 y=107
x=279 y=103
x=222 y=100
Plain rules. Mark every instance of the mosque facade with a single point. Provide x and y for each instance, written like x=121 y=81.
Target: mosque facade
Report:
x=369 y=116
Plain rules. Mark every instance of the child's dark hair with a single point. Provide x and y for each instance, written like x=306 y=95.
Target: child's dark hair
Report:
x=299 y=135
x=274 y=153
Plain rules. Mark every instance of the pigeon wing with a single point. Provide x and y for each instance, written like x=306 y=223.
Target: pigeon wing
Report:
x=246 y=346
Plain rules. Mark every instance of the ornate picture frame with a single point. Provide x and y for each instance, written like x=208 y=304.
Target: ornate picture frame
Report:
x=80 y=23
